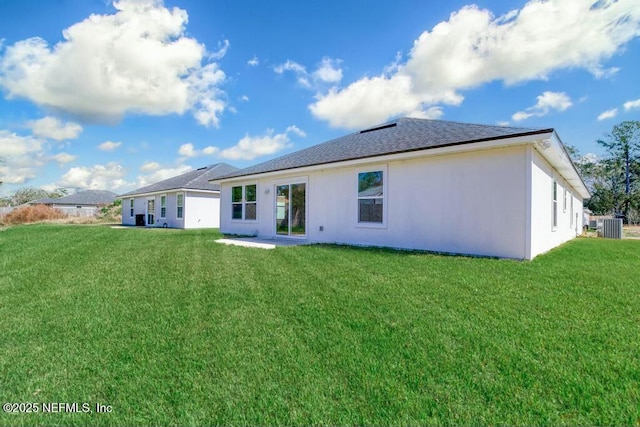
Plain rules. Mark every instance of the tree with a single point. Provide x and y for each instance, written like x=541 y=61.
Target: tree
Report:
x=605 y=180
x=29 y=194
x=623 y=146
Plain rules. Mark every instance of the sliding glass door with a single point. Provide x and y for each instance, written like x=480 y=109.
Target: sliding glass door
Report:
x=291 y=213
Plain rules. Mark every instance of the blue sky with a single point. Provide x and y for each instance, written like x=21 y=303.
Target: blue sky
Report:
x=114 y=96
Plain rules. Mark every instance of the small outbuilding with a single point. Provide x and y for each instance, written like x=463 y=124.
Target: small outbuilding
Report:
x=184 y=201
x=415 y=184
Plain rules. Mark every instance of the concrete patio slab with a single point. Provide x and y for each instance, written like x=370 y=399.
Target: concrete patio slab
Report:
x=256 y=242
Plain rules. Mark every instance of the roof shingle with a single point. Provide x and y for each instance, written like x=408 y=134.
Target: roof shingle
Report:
x=87 y=197
x=193 y=180
x=402 y=135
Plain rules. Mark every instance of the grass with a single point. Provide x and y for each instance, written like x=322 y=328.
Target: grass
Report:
x=169 y=328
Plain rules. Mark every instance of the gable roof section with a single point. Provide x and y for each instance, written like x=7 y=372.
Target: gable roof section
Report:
x=88 y=197
x=400 y=136
x=193 y=180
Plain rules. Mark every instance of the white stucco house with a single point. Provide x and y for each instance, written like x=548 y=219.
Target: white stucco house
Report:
x=184 y=201
x=415 y=184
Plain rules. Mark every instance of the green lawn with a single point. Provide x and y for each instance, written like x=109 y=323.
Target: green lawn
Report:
x=168 y=327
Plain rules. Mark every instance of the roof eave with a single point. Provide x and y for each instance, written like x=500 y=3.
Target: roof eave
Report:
x=170 y=190
x=554 y=151
x=462 y=146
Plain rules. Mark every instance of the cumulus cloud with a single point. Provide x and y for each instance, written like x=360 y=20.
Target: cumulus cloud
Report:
x=137 y=60
x=109 y=145
x=63 y=158
x=251 y=147
x=98 y=177
x=631 y=104
x=548 y=101
x=188 y=150
x=53 y=128
x=12 y=144
x=473 y=47
x=21 y=155
x=327 y=72
x=609 y=114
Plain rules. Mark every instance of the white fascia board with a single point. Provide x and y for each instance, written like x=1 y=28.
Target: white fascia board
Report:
x=174 y=190
x=408 y=155
x=554 y=152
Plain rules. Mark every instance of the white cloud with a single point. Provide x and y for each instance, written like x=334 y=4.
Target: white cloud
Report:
x=251 y=147
x=21 y=157
x=188 y=150
x=138 y=60
x=52 y=128
x=12 y=144
x=98 y=177
x=149 y=166
x=160 y=174
x=223 y=46
x=253 y=62
x=299 y=70
x=109 y=145
x=367 y=101
x=631 y=104
x=609 y=114
x=295 y=129
x=558 y=101
x=473 y=48
x=432 y=113
x=24 y=156
x=327 y=72
x=244 y=98
x=63 y=158
x=589 y=158
x=210 y=150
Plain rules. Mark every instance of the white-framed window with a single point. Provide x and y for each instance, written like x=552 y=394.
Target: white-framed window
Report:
x=555 y=204
x=371 y=195
x=571 y=211
x=131 y=208
x=244 y=202
x=564 y=202
x=163 y=206
x=179 y=205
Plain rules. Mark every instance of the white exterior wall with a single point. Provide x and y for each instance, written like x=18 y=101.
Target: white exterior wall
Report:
x=138 y=208
x=200 y=210
x=544 y=235
x=470 y=203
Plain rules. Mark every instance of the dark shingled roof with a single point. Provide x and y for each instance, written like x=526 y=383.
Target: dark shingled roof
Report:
x=88 y=197
x=402 y=135
x=193 y=180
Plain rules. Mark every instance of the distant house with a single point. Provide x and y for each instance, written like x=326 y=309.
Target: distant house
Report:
x=82 y=203
x=185 y=201
x=416 y=184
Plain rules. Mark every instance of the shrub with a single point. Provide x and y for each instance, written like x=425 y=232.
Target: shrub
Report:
x=27 y=214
